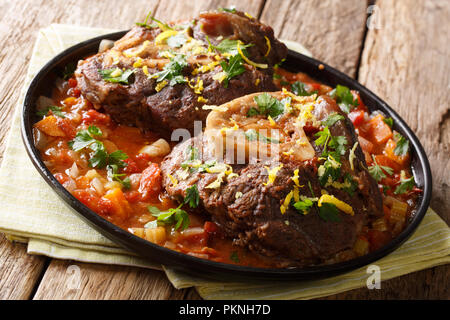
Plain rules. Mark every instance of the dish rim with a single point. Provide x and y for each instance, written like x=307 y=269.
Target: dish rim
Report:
x=208 y=268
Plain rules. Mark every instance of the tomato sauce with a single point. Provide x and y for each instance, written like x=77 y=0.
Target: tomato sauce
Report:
x=123 y=190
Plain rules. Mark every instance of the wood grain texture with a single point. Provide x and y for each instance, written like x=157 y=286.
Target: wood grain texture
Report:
x=81 y=281
x=406 y=63
x=332 y=30
x=19 y=271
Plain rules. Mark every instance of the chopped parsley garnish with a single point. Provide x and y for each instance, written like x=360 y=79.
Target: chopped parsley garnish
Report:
x=230 y=9
x=350 y=184
x=344 y=98
x=332 y=145
x=402 y=146
x=376 y=171
x=299 y=89
x=173 y=71
x=68 y=71
x=304 y=205
x=332 y=119
x=173 y=216
x=116 y=75
x=232 y=68
x=230 y=46
x=330 y=169
x=253 y=135
x=57 y=111
x=98 y=156
x=163 y=26
x=389 y=121
x=234 y=257
x=114 y=175
x=192 y=197
x=405 y=184
x=267 y=105
x=329 y=212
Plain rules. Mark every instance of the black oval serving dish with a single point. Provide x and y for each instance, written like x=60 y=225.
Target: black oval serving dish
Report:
x=42 y=85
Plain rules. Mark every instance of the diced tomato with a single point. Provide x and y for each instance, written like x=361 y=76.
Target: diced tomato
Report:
x=389 y=151
x=380 y=131
x=142 y=161
x=361 y=105
x=94 y=117
x=132 y=196
x=366 y=145
x=131 y=167
x=382 y=160
x=67 y=126
x=150 y=184
x=378 y=239
x=61 y=177
x=72 y=82
x=74 y=92
x=95 y=203
x=210 y=227
x=357 y=117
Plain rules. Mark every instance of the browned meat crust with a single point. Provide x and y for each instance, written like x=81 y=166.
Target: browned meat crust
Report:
x=141 y=103
x=248 y=210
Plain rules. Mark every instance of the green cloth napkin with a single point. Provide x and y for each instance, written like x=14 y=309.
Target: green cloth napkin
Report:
x=31 y=212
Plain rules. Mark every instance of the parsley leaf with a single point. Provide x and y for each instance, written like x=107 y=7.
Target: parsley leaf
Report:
x=402 y=146
x=230 y=46
x=304 y=205
x=344 y=98
x=267 y=105
x=116 y=75
x=230 y=9
x=299 y=88
x=114 y=175
x=332 y=119
x=329 y=212
x=173 y=216
x=376 y=171
x=57 y=111
x=330 y=169
x=389 y=121
x=233 y=68
x=99 y=158
x=405 y=185
x=352 y=184
x=192 y=197
x=68 y=71
x=234 y=257
x=173 y=71
x=336 y=144
x=253 y=135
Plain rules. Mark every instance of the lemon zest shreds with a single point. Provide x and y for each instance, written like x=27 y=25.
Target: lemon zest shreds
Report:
x=161 y=85
x=173 y=180
x=163 y=36
x=256 y=65
x=248 y=15
x=341 y=205
x=286 y=202
x=269 y=46
x=145 y=70
x=272 y=174
x=351 y=156
x=202 y=99
x=138 y=63
x=271 y=121
x=295 y=178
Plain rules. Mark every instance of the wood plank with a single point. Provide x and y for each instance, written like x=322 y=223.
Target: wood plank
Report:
x=19 y=272
x=80 y=281
x=406 y=63
x=115 y=282
x=331 y=29
x=178 y=10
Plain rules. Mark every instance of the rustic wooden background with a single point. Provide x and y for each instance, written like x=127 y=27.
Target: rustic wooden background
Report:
x=404 y=59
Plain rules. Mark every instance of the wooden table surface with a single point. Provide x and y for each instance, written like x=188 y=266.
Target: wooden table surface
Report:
x=403 y=57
